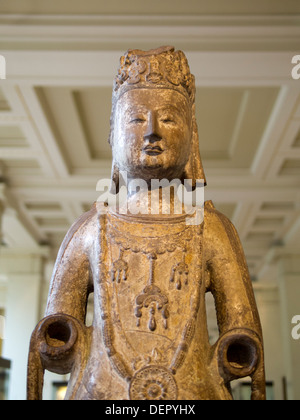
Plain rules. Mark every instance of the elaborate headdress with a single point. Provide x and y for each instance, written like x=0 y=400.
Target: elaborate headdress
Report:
x=162 y=68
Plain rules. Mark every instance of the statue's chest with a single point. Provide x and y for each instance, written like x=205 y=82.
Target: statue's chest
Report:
x=148 y=294
x=152 y=279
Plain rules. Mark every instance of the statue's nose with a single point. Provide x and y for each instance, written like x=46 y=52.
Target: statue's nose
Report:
x=152 y=130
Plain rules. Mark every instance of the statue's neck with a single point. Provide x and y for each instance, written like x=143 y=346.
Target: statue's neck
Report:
x=157 y=202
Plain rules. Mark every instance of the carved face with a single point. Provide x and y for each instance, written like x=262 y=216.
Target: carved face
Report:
x=152 y=133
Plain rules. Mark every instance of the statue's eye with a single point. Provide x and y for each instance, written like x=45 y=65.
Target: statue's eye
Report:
x=137 y=120
x=167 y=120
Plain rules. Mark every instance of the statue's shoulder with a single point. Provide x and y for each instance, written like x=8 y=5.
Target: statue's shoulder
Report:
x=210 y=212
x=82 y=224
x=214 y=219
x=85 y=220
x=220 y=232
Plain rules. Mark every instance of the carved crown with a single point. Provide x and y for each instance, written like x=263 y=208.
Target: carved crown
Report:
x=161 y=68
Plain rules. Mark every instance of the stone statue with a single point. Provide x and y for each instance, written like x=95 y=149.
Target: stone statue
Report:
x=149 y=272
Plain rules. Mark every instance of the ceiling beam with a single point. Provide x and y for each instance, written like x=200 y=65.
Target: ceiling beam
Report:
x=45 y=138
x=192 y=31
x=98 y=68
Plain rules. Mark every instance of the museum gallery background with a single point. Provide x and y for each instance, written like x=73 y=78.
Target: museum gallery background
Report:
x=54 y=123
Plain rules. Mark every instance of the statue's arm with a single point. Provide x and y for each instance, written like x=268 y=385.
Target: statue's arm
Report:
x=71 y=280
x=58 y=342
x=239 y=349
x=229 y=279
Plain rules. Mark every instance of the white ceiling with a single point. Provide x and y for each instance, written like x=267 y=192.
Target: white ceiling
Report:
x=55 y=109
x=155 y=7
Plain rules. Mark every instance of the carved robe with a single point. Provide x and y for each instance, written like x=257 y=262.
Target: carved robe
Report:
x=149 y=337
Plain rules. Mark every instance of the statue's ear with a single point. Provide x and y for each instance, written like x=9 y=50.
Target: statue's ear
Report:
x=114 y=185
x=194 y=168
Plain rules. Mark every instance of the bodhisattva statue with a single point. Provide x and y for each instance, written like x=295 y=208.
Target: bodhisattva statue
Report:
x=150 y=272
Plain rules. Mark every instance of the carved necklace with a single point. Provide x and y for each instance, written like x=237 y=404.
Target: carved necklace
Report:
x=151 y=381
x=151 y=297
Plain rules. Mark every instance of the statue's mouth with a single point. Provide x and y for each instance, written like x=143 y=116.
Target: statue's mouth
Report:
x=153 y=150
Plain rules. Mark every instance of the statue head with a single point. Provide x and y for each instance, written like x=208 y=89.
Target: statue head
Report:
x=153 y=126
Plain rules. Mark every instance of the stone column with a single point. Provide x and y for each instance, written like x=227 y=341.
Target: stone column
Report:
x=24 y=273
x=2 y=206
x=2 y=280
x=268 y=303
x=289 y=286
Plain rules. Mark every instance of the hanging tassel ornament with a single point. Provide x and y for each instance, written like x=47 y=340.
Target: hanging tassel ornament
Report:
x=152 y=321
x=180 y=273
x=119 y=269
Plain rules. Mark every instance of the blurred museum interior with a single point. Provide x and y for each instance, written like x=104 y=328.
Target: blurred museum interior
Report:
x=55 y=103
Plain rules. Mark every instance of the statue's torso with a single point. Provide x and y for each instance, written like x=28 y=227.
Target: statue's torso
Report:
x=149 y=336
